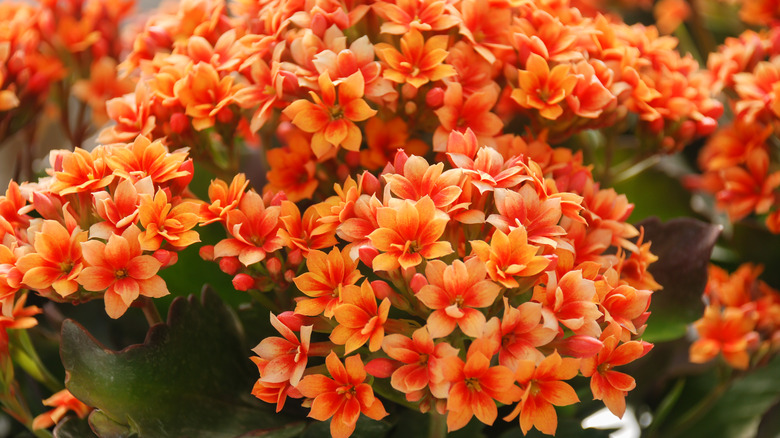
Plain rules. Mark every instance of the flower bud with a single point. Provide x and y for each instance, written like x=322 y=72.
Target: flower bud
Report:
x=229 y=265
x=243 y=282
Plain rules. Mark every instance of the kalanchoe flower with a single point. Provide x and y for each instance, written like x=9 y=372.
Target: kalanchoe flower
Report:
x=359 y=318
x=121 y=269
x=327 y=277
x=344 y=396
x=57 y=260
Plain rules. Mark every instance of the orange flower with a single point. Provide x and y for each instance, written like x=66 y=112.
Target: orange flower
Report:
x=543 y=388
x=455 y=293
x=79 y=171
x=572 y=300
x=162 y=220
x=287 y=357
x=408 y=232
x=521 y=330
x=304 y=233
x=384 y=139
x=475 y=386
x=418 y=62
x=223 y=199
x=121 y=210
x=605 y=383
x=748 y=190
x=485 y=27
x=461 y=112
x=344 y=397
x=422 y=362
x=525 y=207
x=418 y=179
x=204 y=94
x=359 y=318
x=132 y=114
x=625 y=306
x=544 y=89
x=57 y=259
x=510 y=256
x=103 y=84
x=325 y=279
x=62 y=402
x=145 y=158
x=10 y=276
x=729 y=331
x=120 y=268
x=489 y=171
x=292 y=169
x=404 y=15
x=332 y=124
x=254 y=229
x=270 y=392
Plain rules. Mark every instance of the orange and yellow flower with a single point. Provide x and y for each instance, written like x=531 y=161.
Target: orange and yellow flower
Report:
x=542 y=88
x=325 y=280
x=420 y=61
x=57 y=260
x=360 y=319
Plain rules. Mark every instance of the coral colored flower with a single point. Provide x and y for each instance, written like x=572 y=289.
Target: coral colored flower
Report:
x=543 y=388
x=408 y=233
x=525 y=207
x=729 y=331
x=132 y=114
x=57 y=259
x=292 y=169
x=223 y=199
x=324 y=281
x=489 y=171
x=163 y=221
x=62 y=402
x=475 y=386
x=359 y=318
x=271 y=392
x=119 y=210
x=485 y=27
x=609 y=385
x=333 y=124
x=120 y=268
x=510 y=256
x=204 y=94
x=422 y=363
x=287 y=357
x=304 y=233
x=454 y=293
x=422 y=15
x=344 y=397
x=418 y=62
x=417 y=179
x=461 y=112
x=572 y=299
x=254 y=229
x=144 y=158
x=542 y=88
x=624 y=305
x=748 y=190
x=79 y=171
x=384 y=139
x=519 y=332
x=103 y=84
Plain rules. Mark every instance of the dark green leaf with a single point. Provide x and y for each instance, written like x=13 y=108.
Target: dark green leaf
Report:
x=683 y=247
x=190 y=377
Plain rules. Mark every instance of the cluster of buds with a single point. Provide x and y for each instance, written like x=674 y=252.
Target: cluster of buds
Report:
x=737 y=162
x=107 y=221
x=741 y=321
x=487 y=281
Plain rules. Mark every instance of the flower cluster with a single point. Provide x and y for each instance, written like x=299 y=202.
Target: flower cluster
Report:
x=108 y=221
x=741 y=321
x=488 y=280
x=58 y=49
x=737 y=160
x=213 y=75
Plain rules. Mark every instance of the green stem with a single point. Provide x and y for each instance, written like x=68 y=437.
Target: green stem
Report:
x=437 y=428
x=24 y=355
x=150 y=311
x=263 y=300
x=701 y=408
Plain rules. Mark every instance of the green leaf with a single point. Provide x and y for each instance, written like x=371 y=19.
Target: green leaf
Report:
x=683 y=247
x=191 y=377
x=738 y=412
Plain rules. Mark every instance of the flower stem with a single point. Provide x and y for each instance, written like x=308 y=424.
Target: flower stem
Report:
x=24 y=355
x=150 y=311
x=437 y=428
